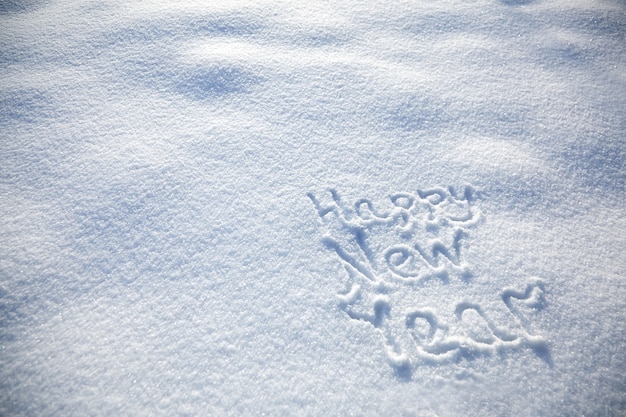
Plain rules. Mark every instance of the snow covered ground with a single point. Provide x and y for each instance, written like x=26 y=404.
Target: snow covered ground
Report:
x=411 y=208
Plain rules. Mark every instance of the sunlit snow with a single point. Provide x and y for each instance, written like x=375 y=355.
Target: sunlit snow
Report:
x=366 y=208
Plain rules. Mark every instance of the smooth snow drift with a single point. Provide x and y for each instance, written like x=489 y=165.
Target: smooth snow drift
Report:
x=368 y=208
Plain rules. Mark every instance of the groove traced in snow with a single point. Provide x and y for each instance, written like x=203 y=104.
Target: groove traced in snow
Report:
x=388 y=261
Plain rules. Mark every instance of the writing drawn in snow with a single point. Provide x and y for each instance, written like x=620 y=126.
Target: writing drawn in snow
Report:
x=390 y=251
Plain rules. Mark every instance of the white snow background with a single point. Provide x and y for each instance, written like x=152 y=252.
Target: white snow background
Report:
x=160 y=254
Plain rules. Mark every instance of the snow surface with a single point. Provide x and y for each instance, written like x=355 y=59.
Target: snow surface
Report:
x=411 y=208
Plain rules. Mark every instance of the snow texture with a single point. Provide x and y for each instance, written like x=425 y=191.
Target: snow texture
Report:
x=366 y=208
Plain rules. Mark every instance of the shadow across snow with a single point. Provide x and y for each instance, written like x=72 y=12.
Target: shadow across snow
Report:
x=600 y=166
x=10 y=311
x=516 y=2
x=18 y=6
x=197 y=82
x=149 y=54
x=598 y=24
x=25 y=106
x=415 y=114
x=214 y=81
